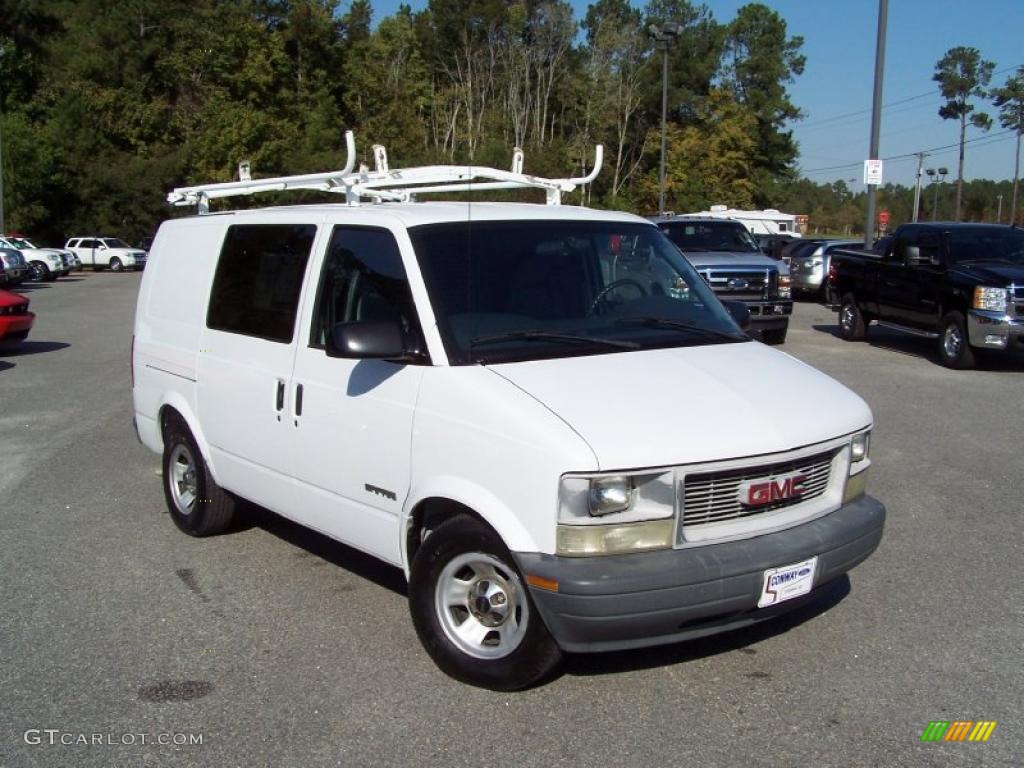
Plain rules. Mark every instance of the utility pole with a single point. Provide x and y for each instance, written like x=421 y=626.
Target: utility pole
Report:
x=663 y=36
x=917 y=192
x=999 y=210
x=3 y=227
x=876 y=116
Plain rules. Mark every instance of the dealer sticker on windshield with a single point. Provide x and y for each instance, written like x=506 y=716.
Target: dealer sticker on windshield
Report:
x=787 y=582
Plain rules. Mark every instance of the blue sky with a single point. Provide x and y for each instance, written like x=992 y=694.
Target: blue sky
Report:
x=839 y=43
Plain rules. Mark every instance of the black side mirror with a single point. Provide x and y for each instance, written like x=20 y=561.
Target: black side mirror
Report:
x=364 y=340
x=739 y=313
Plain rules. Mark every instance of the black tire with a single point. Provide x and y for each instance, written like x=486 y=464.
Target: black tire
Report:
x=954 y=343
x=532 y=653
x=116 y=265
x=774 y=336
x=851 y=320
x=212 y=509
x=39 y=272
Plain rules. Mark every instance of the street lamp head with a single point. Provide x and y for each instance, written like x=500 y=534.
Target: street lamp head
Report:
x=671 y=28
x=943 y=171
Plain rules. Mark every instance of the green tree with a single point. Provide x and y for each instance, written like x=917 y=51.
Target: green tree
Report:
x=758 y=61
x=962 y=75
x=1010 y=101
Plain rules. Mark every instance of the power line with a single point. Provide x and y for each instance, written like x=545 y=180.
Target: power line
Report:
x=909 y=154
x=891 y=104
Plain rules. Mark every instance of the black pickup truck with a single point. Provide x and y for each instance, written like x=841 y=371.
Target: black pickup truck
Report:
x=962 y=284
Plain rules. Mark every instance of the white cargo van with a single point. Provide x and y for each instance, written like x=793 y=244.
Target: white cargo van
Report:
x=540 y=413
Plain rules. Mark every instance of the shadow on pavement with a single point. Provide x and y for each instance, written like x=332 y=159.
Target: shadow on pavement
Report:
x=336 y=553
x=5 y=366
x=926 y=349
x=613 y=662
x=34 y=348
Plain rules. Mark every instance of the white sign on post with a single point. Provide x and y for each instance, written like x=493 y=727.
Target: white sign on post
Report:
x=873 y=172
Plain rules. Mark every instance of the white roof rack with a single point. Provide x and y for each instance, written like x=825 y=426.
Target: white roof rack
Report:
x=384 y=184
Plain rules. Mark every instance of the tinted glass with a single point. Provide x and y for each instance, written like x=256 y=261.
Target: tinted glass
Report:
x=258 y=280
x=710 y=236
x=998 y=244
x=574 y=287
x=114 y=242
x=363 y=279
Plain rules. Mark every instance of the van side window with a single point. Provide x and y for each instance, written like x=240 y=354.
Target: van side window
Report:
x=259 y=276
x=363 y=279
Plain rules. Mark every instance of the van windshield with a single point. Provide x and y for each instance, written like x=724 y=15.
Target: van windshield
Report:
x=505 y=291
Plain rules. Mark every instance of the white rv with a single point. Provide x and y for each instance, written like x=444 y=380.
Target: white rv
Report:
x=766 y=222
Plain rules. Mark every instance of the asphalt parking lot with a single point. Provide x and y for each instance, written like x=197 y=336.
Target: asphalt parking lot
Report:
x=278 y=647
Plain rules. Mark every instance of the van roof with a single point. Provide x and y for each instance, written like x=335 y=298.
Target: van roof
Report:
x=433 y=212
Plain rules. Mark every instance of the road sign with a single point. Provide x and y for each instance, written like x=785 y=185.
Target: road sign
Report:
x=873 y=172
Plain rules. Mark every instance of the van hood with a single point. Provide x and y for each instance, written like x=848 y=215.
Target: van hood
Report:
x=692 y=404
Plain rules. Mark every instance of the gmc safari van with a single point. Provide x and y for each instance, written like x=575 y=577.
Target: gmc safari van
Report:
x=540 y=413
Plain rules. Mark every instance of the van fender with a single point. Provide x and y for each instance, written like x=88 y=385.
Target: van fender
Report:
x=176 y=401
x=489 y=507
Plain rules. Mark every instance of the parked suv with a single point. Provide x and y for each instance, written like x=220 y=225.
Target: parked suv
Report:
x=729 y=259
x=809 y=268
x=542 y=414
x=102 y=252
x=44 y=264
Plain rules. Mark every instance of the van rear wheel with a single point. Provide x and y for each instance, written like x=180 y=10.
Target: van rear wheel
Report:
x=198 y=506
x=472 y=611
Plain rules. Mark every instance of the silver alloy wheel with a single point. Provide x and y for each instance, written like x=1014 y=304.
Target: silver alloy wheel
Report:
x=846 y=317
x=115 y=264
x=952 y=341
x=481 y=605
x=182 y=467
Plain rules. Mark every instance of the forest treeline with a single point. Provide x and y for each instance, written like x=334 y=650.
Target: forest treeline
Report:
x=107 y=104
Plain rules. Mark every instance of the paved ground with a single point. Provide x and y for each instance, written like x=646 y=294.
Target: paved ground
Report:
x=281 y=648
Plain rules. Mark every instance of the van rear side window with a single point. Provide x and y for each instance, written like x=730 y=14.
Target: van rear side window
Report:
x=258 y=280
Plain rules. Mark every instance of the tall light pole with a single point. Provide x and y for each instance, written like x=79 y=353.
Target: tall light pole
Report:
x=917 y=192
x=663 y=36
x=999 y=211
x=876 y=117
x=3 y=227
x=935 y=177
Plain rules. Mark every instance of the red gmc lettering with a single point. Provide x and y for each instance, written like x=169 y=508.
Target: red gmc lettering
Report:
x=776 y=490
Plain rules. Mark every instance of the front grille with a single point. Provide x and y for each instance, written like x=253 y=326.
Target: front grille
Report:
x=714 y=497
x=743 y=284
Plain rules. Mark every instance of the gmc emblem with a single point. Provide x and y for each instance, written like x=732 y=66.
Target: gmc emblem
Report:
x=757 y=493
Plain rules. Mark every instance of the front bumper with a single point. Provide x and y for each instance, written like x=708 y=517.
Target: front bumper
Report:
x=652 y=598
x=773 y=313
x=16 y=327
x=995 y=330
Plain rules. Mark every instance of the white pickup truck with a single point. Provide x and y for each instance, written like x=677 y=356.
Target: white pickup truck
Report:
x=102 y=252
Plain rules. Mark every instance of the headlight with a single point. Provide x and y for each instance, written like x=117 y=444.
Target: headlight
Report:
x=859 y=447
x=992 y=299
x=610 y=494
x=610 y=514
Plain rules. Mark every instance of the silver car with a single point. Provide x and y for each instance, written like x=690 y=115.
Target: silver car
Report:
x=14 y=264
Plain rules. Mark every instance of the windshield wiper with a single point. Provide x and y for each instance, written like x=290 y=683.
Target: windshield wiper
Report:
x=678 y=325
x=540 y=335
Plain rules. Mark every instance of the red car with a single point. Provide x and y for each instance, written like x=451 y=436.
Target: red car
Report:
x=15 y=319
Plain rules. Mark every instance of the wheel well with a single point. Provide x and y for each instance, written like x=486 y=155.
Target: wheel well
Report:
x=429 y=514
x=168 y=415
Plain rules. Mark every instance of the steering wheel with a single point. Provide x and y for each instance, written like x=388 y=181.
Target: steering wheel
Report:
x=615 y=284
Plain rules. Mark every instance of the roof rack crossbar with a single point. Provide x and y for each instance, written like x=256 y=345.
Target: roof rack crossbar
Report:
x=399 y=184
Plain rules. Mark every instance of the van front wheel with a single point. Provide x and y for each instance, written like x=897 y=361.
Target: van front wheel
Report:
x=198 y=506
x=472 y=611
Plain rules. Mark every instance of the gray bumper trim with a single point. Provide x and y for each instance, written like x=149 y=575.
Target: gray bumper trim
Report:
x=1003 y=326
x=631 y=601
